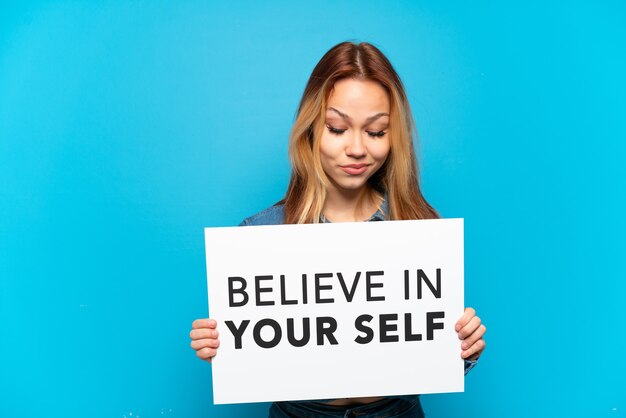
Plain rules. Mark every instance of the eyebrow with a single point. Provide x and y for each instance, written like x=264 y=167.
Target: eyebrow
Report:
x=348 y=119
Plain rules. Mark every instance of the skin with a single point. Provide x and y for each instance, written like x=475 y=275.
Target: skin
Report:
x=357 y=122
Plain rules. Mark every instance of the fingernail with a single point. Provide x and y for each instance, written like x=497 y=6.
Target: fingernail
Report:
x=464 y=346
x=457 y=327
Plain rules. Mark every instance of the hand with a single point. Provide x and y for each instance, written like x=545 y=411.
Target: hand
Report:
x=471 y=331
x=204 y=338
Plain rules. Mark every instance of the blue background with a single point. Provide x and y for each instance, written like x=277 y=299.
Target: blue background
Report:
x=128 y=126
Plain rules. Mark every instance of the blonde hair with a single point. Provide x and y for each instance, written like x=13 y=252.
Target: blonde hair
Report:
x=397 y=178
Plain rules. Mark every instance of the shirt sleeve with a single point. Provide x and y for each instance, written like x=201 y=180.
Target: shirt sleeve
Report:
x=469 y=365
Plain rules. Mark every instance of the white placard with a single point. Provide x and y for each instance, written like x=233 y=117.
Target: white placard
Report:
x=379 y=301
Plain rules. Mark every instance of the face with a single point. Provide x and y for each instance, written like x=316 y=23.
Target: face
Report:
x=355 y=142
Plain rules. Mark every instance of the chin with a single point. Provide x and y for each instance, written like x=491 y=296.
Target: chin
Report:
x=352 y=184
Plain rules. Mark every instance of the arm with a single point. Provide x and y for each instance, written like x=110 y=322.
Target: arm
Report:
x=470 y=330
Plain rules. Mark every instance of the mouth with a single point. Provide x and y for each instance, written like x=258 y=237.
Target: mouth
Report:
x=354 y=169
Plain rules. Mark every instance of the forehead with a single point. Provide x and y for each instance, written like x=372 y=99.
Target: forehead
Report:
x=353 y=96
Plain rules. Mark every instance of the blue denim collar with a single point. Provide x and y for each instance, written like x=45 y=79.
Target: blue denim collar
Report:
x=379 y=215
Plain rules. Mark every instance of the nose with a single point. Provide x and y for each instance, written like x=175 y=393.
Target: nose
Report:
x=356 y=147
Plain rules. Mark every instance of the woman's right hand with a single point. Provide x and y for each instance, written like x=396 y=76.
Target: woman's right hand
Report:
x=204 y=338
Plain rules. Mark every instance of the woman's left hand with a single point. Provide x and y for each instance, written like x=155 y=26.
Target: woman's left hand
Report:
x=471 y=331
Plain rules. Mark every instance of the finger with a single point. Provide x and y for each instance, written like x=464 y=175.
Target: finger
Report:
x=474 y=351
x=204 y=323
x=206 y=353
x=465 y=318
x=205 y=343
x=197 y=334
x=475 y=336
x=469 y=329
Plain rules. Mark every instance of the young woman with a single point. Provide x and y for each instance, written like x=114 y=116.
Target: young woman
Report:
x=351 y=148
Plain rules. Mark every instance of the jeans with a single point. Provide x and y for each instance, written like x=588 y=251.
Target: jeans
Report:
x=385 y=408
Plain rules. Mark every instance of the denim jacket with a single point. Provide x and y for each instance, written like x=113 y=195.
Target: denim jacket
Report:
x=275 y=215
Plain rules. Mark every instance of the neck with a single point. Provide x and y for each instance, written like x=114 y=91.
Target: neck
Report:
x=351 y=205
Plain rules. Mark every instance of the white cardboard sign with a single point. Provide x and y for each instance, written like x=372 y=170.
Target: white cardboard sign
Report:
x=336 y=310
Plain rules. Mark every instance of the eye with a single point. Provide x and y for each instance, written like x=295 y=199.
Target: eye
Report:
x=377 y=134
x=335 y=130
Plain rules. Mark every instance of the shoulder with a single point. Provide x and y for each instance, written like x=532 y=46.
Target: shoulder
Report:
x=274 y=215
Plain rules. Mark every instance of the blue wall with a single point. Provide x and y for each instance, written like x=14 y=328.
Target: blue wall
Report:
x=128 y=126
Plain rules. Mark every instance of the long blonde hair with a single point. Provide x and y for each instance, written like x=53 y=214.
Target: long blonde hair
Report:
x=397 y=178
